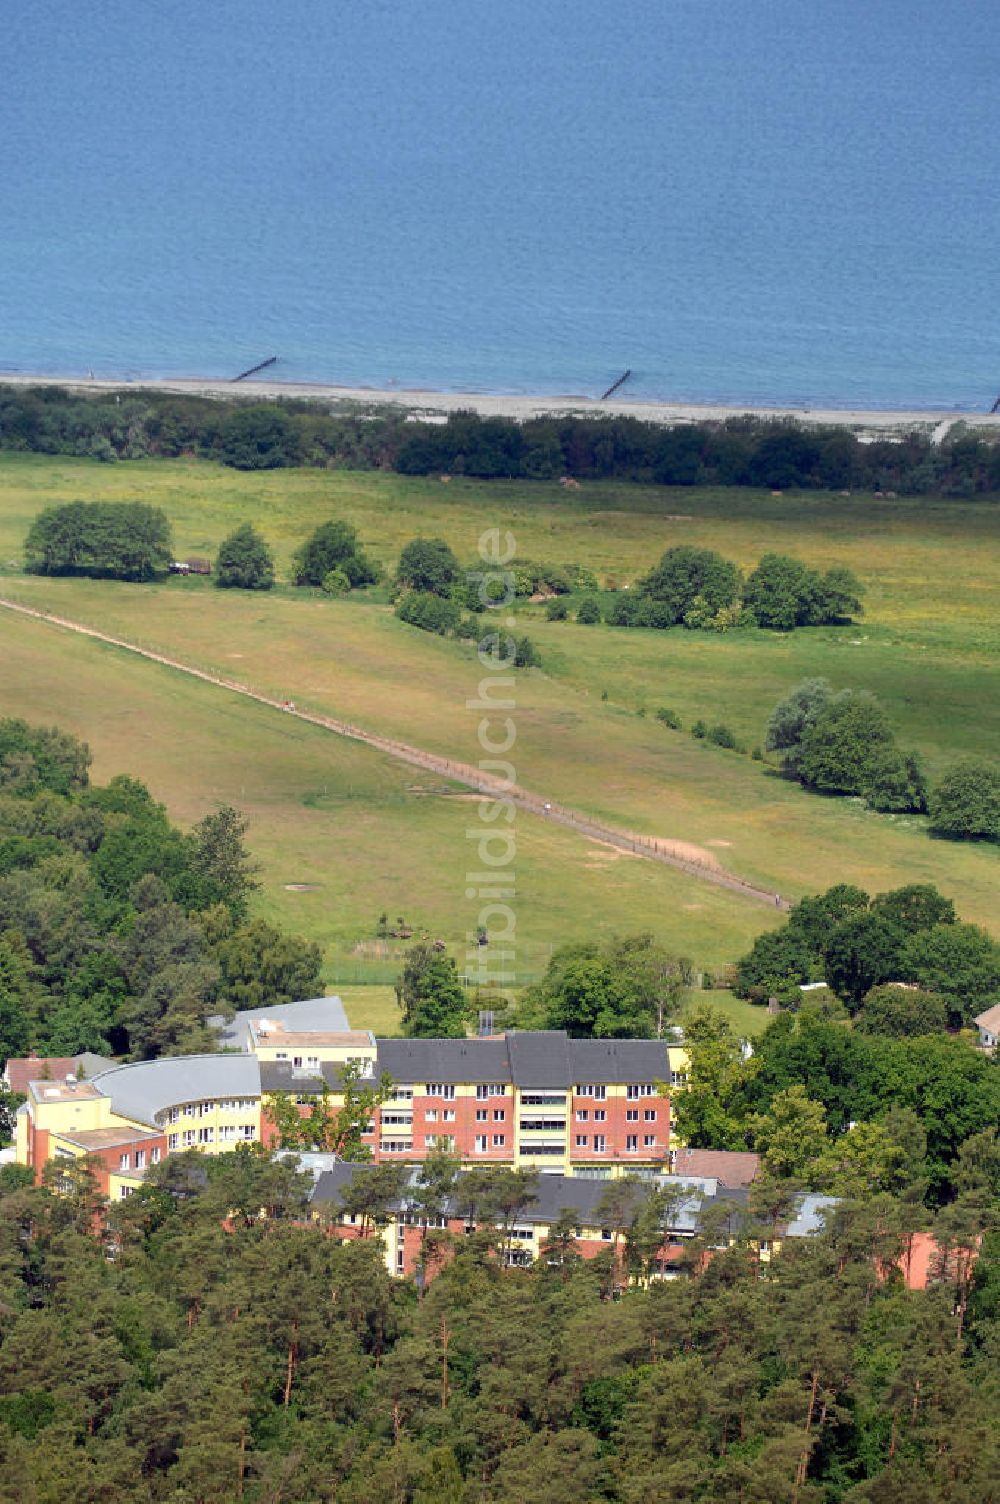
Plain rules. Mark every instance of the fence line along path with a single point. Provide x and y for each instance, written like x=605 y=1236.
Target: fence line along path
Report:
x=653 y=848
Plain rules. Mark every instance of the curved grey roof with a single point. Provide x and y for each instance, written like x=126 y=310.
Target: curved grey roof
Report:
x=142 y=1090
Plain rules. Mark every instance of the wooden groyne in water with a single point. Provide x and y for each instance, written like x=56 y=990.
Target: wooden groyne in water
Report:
x=260 y=366
x=615 y=385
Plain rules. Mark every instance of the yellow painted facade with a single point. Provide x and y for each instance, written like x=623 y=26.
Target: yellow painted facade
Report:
x=213 y=1125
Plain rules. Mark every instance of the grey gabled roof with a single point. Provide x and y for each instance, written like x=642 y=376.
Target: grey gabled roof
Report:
x=540 y=1058
x=531 y=1059
x=450 y=1060
x=142 y=1090
x=311 y=1015
x=330 y=1182
x=555 y=1194
x=626 y=1060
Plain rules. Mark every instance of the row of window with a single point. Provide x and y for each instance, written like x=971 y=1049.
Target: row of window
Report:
x=596 y=1089
x=633 y=1090
x=582 y=1141
x=582 y=1115
x=446 y=1090
x=207 y=1108
x=138 y=1160
x=228 y=1134
x=448 y=1115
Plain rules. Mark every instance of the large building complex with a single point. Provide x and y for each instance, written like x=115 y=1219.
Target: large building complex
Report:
x=575 y=1202
x=596 y=1108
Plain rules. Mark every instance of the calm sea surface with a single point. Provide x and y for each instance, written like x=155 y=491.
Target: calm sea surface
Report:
x=748 y=200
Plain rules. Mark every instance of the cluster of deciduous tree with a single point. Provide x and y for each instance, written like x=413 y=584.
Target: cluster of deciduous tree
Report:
x=104 y=539
x=202 y=1351
x=698 y=588
x=256 y=435
x=118 y=932
x=629 y=988
x=857 y=943
x=330 y=558
x=843 y=743
x=435 y=594
x=835 y=1109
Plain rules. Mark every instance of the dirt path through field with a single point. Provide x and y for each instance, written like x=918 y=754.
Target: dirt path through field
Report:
x=694 y=860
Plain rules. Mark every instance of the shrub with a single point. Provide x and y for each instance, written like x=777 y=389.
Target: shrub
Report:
x=687 y=574
x=902 y=1012
x=589 y=611
x=896 y=783
x=525 y=653
x=429 y=566
x=333 y=545
x=244 y=561
x=966 y=802
x=791 y=716
x=669 y=718
x=699 y=730
x=721 y=736
x=782 y=592
x=557 y=610
x=335 y=583
x=580 y=577
x=429 y=612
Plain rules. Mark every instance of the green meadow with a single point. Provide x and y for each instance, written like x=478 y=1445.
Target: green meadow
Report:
x=375 y=836
x=343 y=833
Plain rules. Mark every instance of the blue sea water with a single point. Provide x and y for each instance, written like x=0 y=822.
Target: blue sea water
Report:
x=750 y=200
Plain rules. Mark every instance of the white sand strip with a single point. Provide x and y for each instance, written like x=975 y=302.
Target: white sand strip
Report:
x=496 y=404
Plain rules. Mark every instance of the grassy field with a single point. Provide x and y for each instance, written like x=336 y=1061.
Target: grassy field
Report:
x=928 y=647
x=370 y=1007
x=361 y=833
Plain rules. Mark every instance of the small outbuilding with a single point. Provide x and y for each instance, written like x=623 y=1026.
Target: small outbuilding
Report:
x=988 y=1024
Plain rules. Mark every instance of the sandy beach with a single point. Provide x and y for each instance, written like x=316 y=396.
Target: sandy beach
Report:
x=436 y=404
